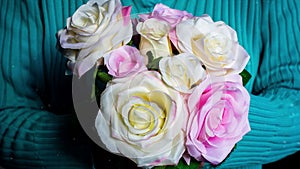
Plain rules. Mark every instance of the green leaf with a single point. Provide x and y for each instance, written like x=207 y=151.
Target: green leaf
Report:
x=150 y=56
x=172 y=167
x=130 y=43
x=154 y=64
x=103 y=76
x=182 y=165
x=246 y=76
x=194 y=164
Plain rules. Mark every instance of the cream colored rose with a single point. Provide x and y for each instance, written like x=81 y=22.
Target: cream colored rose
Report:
x=214 y=43
x=142 y=119
x=182 y=72
x=94 y=29
x=154 y=37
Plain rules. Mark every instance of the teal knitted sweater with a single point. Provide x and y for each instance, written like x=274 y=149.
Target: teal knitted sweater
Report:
x=39 y=130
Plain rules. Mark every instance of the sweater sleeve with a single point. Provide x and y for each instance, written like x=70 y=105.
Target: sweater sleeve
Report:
x=35 y=139
x=275 y=103
x=37 y=129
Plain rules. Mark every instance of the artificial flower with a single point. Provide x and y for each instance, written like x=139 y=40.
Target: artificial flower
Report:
x=154 y=38
x=169 y=15
x=218 y=118
x=124 y=61
x=214 y=43
x=179 y=72
x=94 y=29
x=142 y=119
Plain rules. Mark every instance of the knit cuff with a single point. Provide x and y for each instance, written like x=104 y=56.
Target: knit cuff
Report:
x=35 y=139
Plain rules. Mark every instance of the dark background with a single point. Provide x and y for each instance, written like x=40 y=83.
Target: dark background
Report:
x=292 y=161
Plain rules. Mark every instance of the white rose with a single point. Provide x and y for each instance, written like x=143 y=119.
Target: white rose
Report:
x=182 y=72
x=142 y=119
x=214 y=43
x=94 y=29
x=154 y=37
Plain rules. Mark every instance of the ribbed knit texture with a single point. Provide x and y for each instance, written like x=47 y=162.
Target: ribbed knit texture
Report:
x=34 y=89
x=38 y=131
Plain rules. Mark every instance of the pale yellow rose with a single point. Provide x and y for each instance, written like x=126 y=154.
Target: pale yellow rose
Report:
x=142 y=119
x=93 y=30
x=214 y=43
x=154 y=37
x=182 y=72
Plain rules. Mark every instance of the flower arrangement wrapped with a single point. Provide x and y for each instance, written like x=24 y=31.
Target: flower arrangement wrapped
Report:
x=174 y=82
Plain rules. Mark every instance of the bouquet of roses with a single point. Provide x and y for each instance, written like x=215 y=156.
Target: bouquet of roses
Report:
x=173 y=89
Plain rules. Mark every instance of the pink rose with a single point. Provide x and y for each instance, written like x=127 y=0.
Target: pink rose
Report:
x=169 y=15
x=124 y=61
x=162 y=12
x=218 y=118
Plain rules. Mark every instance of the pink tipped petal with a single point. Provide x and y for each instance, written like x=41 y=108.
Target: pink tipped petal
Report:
x=143 y=17
x=173 y=38
x=167 y=14
x=126 y=14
